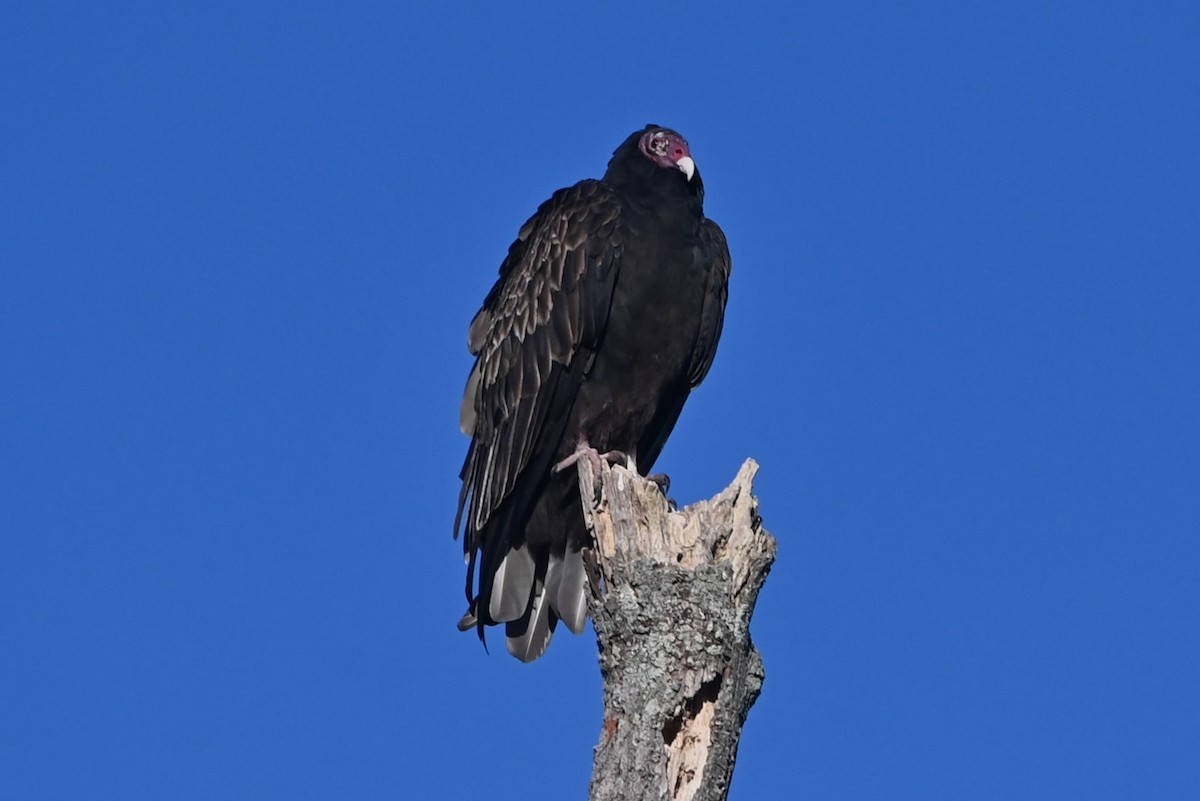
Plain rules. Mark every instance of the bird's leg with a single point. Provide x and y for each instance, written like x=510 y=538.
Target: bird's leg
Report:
x=622 y=458
x=582 y=450
x=585 y=451
x=613 y=457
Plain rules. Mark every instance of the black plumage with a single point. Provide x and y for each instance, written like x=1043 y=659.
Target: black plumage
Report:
x=606 y=314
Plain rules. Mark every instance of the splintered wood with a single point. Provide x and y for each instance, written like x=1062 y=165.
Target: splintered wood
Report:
x=672 y=593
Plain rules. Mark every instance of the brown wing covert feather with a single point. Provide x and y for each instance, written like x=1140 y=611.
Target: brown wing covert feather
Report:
x=546 y=312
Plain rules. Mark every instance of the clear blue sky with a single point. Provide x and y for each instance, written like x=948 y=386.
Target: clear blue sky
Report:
x=241 y=244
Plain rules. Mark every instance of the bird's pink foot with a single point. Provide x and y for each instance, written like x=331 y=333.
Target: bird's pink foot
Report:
x=626 y=460
x=583 y=450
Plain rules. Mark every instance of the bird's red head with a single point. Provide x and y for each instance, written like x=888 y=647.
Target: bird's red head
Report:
x=667 y=149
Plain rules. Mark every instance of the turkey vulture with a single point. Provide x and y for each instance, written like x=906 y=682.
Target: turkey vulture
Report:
x=606 y=314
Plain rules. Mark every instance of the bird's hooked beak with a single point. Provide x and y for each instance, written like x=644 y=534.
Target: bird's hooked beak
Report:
x=686 y=166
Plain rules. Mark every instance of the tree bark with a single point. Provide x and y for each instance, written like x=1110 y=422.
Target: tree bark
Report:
x=671 y=597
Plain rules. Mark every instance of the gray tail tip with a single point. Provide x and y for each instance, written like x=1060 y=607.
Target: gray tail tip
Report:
x=468 y=621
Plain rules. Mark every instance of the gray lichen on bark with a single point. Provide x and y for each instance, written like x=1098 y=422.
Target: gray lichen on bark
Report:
x=671 y=597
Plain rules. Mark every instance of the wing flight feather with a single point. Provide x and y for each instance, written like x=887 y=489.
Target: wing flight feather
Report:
x=546 y=313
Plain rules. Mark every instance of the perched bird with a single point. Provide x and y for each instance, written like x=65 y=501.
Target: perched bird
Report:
x=606 y=314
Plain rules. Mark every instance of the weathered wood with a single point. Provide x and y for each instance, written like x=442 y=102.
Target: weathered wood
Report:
x=671 y=597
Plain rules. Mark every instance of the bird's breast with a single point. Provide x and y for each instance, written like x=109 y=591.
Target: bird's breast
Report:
x=647 y=344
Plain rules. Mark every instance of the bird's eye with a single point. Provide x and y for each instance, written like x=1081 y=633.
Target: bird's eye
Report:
x=658 y=144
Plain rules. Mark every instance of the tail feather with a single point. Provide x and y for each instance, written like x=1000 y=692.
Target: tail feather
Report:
x=570 y=601
x=511 y=585
x=529 y=637
x=553 y=580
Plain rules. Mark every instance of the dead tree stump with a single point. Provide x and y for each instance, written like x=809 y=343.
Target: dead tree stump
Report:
x=671 y=597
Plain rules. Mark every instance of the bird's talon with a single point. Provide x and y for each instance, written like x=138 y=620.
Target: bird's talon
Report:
x=615 y=457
